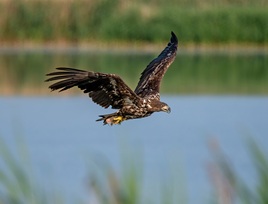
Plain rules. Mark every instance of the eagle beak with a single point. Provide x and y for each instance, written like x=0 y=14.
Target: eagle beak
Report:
x=168 y=110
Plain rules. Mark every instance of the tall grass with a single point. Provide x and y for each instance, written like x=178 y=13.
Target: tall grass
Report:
x=230 y=187
x=207 y=21
x=18 y=184
x=127 y=184
x=107 y=186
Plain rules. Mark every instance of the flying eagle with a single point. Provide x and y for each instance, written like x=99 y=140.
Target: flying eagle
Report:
x=110 y=90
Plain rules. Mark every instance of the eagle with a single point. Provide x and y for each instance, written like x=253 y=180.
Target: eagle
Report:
x=109 y=90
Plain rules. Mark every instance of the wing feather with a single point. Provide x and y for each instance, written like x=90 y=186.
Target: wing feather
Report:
x=151 y=77
x=104 y=89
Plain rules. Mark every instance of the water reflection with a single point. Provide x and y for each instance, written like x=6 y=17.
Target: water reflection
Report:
x=24 y=72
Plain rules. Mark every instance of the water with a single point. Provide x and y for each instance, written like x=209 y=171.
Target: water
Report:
x=63 y=138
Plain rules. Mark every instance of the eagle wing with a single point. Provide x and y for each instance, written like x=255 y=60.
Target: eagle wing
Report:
x=104 y=89
x=151 y=77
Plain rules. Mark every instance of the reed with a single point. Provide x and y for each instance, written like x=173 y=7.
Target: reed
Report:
x=18 y=184
x=230 y=187
x=240 y=21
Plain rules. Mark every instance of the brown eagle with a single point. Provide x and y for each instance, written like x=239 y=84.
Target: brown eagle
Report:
x=110 y=90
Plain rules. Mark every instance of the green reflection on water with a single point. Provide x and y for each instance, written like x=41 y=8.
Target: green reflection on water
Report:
x=24 y=72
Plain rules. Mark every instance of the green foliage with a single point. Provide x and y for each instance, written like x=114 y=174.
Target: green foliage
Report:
x=261 y=163
x=111 y=188
x=127 y=184
x=235 y=188
x=16 y=180
x=241 y=21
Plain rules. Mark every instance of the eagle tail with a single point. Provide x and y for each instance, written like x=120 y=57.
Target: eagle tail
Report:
x=111 y=119
x=69 y=77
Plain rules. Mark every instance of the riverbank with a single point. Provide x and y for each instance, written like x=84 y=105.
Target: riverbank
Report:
x=130 y=47
x=206 y=22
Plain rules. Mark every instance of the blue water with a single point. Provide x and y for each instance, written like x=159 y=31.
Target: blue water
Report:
x=63 y=139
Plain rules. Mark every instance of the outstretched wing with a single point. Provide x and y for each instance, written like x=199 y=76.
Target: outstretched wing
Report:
x=151 y=77
x=104 y=89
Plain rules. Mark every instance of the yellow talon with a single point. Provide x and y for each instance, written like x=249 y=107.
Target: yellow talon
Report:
x=118 y=119
x=114 y=120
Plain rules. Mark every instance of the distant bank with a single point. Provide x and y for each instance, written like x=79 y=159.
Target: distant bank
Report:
x=125 y=22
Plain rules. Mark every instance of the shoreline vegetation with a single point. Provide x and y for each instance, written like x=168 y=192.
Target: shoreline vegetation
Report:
x=75 y=23
x=130 y=47
x=106 y=184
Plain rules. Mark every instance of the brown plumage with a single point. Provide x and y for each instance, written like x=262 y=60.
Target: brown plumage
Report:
x=110 y=90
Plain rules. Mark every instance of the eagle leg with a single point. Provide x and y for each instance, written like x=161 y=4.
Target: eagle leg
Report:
x=111 y=119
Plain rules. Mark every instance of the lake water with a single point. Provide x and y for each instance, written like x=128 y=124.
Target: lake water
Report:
x=63 y=139
x=218 y=97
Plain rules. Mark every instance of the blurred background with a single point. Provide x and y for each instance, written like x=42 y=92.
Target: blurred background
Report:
x=212 y=148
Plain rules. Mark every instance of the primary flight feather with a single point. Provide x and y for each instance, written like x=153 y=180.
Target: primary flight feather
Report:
x=110 y=90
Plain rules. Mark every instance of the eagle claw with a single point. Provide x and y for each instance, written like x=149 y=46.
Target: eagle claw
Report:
x=114 y=120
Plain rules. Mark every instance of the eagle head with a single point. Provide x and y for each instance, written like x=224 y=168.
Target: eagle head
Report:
x=165 y=108
x=157 y=106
